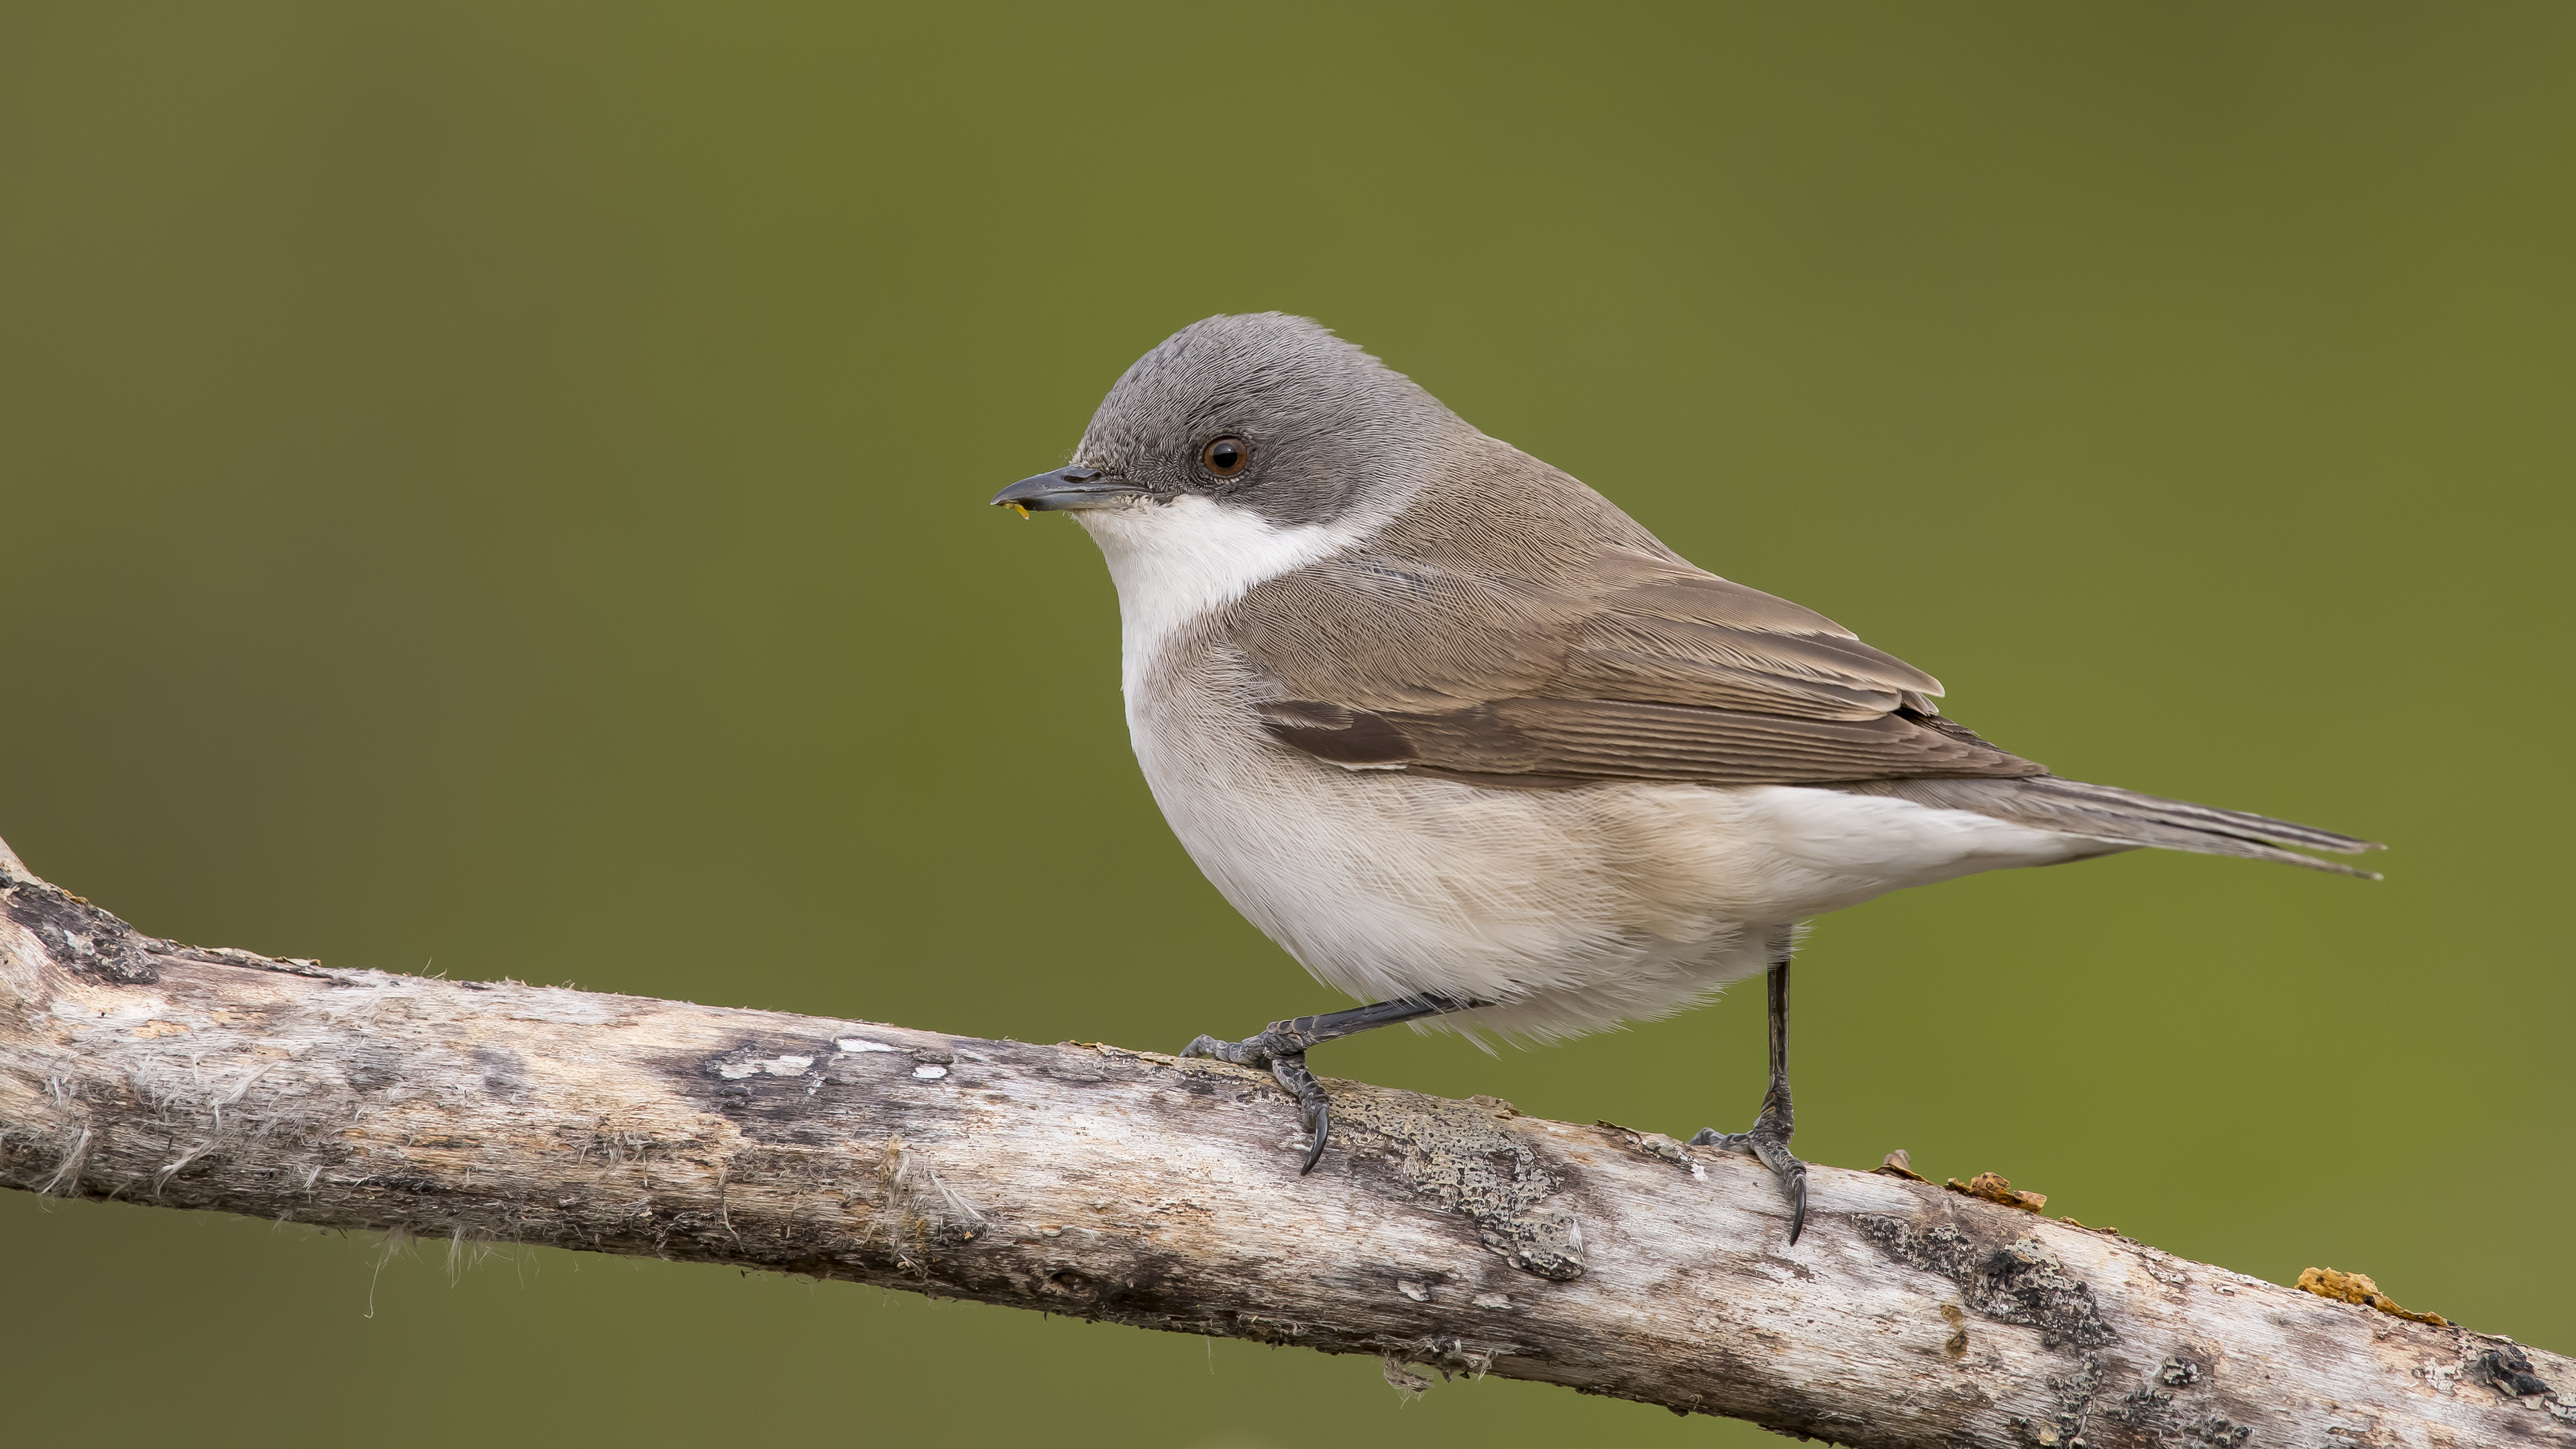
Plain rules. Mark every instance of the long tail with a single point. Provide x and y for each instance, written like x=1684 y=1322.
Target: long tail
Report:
x=2107 y=812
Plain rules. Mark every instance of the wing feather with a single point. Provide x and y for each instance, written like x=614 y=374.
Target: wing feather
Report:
x=1681 y=676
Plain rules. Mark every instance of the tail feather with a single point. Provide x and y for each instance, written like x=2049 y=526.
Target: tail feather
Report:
x=2107 y=812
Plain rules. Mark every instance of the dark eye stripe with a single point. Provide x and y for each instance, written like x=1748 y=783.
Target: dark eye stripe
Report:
x=1225 y=457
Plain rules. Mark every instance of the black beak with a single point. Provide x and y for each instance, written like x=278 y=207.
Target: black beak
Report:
x=1066 y=488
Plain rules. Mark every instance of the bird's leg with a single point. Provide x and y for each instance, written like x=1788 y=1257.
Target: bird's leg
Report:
x=1281 y=1047
x=1769 y=1139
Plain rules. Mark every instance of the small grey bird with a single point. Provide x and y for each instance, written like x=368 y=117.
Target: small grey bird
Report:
x=1475 y=747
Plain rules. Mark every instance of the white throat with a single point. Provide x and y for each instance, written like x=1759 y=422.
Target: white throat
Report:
x=1176 y=562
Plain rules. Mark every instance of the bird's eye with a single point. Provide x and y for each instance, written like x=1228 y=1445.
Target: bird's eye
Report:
x=1226 y=457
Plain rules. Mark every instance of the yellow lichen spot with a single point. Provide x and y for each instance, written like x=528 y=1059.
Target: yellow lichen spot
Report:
x=1994 y=1188
x=2357 y=1288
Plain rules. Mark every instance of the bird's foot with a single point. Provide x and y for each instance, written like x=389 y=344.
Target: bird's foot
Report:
x=1281 y=1049
x=1769 y=1145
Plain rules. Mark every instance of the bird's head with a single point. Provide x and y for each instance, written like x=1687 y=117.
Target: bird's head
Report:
x=1263 y=423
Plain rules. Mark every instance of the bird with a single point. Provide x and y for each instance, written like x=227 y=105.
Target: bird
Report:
x=1481 y=752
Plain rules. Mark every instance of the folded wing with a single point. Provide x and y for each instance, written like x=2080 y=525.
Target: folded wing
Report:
x=1675 y=677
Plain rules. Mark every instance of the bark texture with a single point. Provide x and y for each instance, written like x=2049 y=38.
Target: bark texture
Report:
x=1135 y=1188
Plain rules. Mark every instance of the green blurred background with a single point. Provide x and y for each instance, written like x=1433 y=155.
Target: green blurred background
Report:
x=499 y=489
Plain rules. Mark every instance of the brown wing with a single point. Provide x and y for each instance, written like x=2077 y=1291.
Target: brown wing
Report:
x=1662 y=673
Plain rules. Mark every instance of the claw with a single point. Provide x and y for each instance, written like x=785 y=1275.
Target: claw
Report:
x=1792 y=1174
x=1316 y=1109
x=1773 y=1153
x=1280 y=1049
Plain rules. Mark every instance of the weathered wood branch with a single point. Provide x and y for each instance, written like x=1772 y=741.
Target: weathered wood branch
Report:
x=1135 y=1188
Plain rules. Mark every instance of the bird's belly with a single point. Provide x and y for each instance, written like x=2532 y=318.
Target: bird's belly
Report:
x=1385 y=884
x=1580 y=907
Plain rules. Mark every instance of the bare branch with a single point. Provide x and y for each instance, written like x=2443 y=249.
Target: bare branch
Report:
x=1441 y=1237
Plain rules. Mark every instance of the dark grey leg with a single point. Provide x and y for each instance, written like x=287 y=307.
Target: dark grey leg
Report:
x=1281 y=1047
x=1769 y=1139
